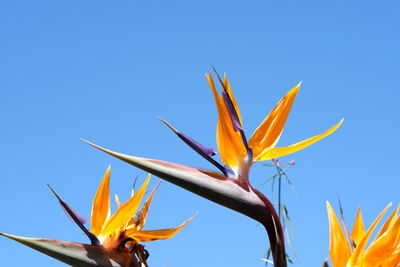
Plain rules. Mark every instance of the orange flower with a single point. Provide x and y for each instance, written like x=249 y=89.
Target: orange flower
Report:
x=350 y=249
x=238 y=154
x=114 y=239
x=126 y=224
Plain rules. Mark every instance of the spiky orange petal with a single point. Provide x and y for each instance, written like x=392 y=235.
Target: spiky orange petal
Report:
x=282 y=151
x=152 y=235
x=358 y=253
x=268 y=133
x=125 y=212
x=101 y=204
x=384 y=247
x=358 y=228
x=339 y=249
x=229 y=142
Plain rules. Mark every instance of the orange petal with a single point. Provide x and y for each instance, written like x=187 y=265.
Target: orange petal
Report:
x=282 y=151
x=393 y=261
x=384 y=247
x=358 y=228
x=153 y=235
x=388 y=223
x=339 y=249
x=101 y=204
x=230 y=146
x=146 y=207
x=125 y=212
x=267 y=134
x=358 y=253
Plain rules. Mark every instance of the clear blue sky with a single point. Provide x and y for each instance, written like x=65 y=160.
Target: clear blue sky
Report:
x=103 y=70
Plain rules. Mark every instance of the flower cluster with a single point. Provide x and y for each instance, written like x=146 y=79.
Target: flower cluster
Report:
x=351 y=249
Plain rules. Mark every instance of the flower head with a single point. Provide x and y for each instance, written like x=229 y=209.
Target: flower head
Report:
x=232 y=188
x=114 y=238
x=125 y=226
x=238 y=154
x=350 y=249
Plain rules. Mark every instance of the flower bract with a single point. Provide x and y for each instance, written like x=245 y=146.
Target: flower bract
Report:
x=230 y=186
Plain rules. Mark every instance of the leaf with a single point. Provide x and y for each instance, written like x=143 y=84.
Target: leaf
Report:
x=76 y=254
x=219 y=189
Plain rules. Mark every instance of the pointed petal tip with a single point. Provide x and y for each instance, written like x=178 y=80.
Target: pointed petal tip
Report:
x=296 y=88
x=299 y=84
x=54 y=192
x=13 y=237
x=110 y=152
x=194 y=216
x=100 y=148
x=167 y=124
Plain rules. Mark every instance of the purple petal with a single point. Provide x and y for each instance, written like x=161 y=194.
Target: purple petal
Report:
x=196 y=145
x=77 y=215
x=76 y=218
x=229 y=172
x=205 y=152
x=237 y=126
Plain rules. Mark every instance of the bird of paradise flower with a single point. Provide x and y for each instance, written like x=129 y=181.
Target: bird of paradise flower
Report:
x=114 y=239
x=350 y=249
x=231 y=187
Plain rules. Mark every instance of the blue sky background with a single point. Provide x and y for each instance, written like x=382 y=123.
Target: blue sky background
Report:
x=103 y=70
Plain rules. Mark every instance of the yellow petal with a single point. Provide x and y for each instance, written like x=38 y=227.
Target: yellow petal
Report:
x=125 y=212
x=153 y=235
x=229 y=142
x=388 y=223
x=358 y=228
x=146 y=207
x=282 y=151
x=394 y=260
x=101 y=204
x=384 y=247
x=358 y=253
x=339 y=249
x=267 y=134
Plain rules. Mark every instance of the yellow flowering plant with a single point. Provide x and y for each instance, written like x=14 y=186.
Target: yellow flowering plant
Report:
x=115 y=240
x=230 y=186
x=356 y=249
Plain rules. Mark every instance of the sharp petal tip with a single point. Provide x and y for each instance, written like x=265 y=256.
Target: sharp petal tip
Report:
x=96 y=146
x=54 y=192
x=168 y=125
